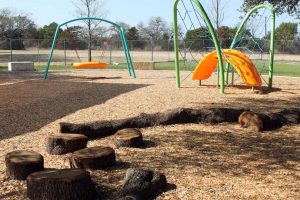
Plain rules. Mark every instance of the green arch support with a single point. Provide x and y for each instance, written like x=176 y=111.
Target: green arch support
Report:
x=214 y=37
x=122 y=35
x=221 y=74
x=272 y=38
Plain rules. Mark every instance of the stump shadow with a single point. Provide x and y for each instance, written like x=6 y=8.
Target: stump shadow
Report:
x=169 y=187
x=148 y=144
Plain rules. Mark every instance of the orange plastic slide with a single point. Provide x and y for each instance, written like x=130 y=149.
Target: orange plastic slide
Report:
x=242 y=64
x=90 y=65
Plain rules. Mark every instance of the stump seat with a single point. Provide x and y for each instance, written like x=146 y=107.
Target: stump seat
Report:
x=128 y=137
x=59 y=144
x=63 y=184
x=93 y=158
x=21 y=163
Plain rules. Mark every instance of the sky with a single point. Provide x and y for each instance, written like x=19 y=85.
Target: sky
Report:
x=43 y=12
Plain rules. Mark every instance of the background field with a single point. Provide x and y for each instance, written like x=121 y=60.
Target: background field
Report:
x=285 y=64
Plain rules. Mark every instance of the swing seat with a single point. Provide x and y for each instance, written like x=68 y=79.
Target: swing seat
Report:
x=90 y=65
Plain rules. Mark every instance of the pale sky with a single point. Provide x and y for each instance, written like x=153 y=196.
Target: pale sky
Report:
x=131 y=11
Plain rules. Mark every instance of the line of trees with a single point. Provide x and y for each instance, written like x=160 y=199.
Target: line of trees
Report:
x=20 y=26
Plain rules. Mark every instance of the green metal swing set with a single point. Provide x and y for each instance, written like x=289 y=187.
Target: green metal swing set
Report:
x=122 y=36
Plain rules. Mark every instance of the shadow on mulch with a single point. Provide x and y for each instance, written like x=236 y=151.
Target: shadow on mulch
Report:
x=228 y=152
x=51 y=99
x=97 y=78
x=262 y=105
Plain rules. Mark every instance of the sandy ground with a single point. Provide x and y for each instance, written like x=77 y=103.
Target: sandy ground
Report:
x=200 y=161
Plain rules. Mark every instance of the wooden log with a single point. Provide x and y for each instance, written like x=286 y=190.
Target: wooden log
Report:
x=59 y=144
x=21 y=163
x=93 y=158
x=63 y=184
x=174 y=116
x=128 y=137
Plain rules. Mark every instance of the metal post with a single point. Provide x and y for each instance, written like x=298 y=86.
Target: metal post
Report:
x=272 y=37
x=184 y=53
x=152 y=49
x=213 y=35
x=11 y=51
x=65 y=52
x=38 y=49
x=132 y=47
x=110 y=53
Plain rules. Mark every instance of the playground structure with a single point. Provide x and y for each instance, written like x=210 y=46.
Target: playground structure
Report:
x=93 y=65
x=193 y=15
x=242 y=64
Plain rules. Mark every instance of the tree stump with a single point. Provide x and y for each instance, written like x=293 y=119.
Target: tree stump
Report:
x=21 y=163
x=59 y=144
x=128 y=137
x=63 y=184
x=93 y=158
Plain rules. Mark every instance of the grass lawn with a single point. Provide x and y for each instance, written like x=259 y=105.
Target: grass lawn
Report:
x=281 y=68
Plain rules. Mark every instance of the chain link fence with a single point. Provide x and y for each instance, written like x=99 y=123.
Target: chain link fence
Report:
x=110 y=51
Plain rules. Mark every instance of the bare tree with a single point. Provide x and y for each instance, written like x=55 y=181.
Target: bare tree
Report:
x=90 y=8
x=155 y=29
x=217 y=14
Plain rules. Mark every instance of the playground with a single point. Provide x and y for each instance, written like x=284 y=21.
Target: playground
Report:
x=222 y=124
x=200 y=161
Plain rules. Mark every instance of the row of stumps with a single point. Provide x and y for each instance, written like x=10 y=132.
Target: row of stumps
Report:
x=75 y=182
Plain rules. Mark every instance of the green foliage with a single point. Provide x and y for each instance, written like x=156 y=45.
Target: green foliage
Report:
x=284 y=33
x=46 y=34
x=198 y=39
x=133 y=37
x=290 y=6
x=17 y=27
x=132 y=34
x=226 y=35
x=201 y=39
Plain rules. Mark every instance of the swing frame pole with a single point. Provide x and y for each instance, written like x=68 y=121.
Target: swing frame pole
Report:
x=272 y=38
x=214 y=38
x=122 y=35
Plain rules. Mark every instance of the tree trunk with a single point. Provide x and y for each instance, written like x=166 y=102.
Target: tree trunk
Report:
x=59 y=144
x=62 y=184
x=19 y=164
x=129 y=137
x=93 y=158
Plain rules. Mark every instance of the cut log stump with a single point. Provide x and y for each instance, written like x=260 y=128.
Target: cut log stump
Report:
x=128 y=137
x=63 y=184
x=21 y=163
x=93 y=158
x=59 y=144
